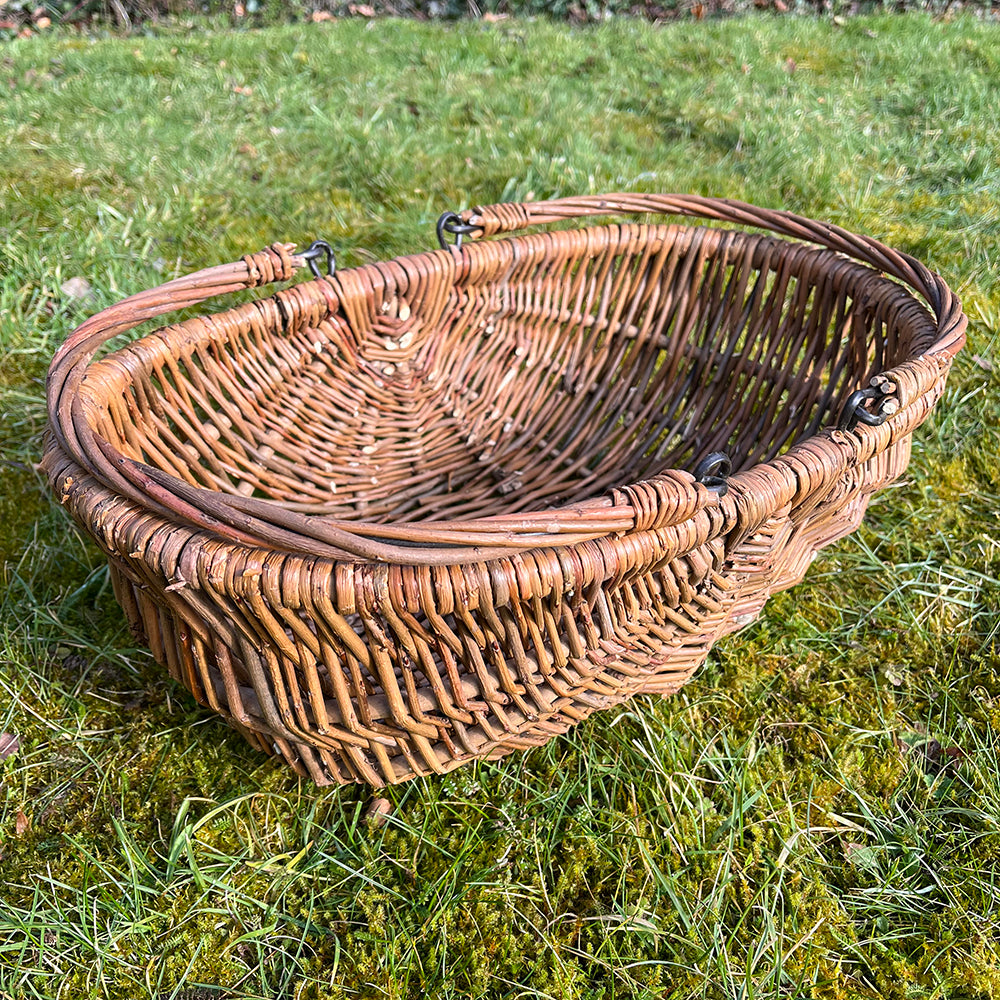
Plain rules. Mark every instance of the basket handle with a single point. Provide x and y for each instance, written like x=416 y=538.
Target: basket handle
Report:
x=67 y=422
x=277 y=262
x=492 y=220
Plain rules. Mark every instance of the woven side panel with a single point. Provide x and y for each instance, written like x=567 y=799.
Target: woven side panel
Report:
x=396 y=687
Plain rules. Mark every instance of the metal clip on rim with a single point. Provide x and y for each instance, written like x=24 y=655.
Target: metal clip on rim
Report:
x=713 y=471
x=854 y=411
x=315 y=250
x=451 y=222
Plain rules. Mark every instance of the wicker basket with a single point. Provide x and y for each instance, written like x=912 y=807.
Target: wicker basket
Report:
x=441 y=508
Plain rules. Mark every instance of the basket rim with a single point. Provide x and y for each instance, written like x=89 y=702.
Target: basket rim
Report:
x=666 y=500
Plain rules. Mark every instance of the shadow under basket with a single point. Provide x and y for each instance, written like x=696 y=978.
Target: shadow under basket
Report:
x=411 y=514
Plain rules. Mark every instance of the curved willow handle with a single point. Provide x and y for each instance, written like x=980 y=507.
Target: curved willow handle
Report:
x=67 y=421
x=505 y=218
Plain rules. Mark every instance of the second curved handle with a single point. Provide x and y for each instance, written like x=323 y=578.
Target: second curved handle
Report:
x=493 y=220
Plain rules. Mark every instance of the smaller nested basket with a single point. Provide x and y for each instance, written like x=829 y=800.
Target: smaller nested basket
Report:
x=444 y=507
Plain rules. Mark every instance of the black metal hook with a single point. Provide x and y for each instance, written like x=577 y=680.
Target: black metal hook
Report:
x=451 y=222
x=713 y=471
x=854 y=411
x=315 y=250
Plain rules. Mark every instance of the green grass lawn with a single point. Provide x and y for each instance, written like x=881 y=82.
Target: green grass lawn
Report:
x=783 y=828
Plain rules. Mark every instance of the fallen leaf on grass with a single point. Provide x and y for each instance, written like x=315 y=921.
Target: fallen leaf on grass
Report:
x=862 y=855
x=9 y=745
x=378 y=812
x=76 y=288
x=21 y=824
x=936 y=759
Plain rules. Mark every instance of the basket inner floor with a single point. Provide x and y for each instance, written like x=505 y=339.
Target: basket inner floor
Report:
x=421 y=394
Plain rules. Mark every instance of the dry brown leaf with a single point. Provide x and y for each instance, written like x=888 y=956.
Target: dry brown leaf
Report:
x=378 y=812
x=21 y=824
x=76 y=288
x=9 y=745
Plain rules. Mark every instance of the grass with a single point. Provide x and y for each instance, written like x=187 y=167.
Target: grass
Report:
x=817 y=815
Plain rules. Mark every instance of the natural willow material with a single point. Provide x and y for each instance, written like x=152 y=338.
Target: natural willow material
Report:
x=441 y=508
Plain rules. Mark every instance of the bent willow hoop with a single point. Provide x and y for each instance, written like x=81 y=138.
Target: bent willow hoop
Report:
x=443 y=507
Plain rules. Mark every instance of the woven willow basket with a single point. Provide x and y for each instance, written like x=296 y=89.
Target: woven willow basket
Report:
x=442 y=508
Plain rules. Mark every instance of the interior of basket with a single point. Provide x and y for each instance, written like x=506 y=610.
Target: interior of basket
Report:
x=542 y=370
